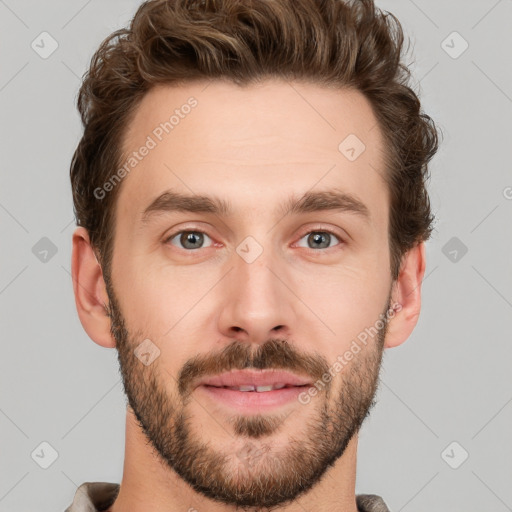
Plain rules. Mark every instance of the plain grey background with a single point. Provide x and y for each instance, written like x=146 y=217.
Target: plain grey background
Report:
x=439 y=438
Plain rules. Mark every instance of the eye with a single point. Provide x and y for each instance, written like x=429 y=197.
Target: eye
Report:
x=188 y=239
x=320 y=239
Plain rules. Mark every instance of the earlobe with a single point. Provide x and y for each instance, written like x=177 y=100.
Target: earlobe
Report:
x=90 y=292
x=407 y=295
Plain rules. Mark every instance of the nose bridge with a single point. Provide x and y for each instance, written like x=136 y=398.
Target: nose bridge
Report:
x=257 y=301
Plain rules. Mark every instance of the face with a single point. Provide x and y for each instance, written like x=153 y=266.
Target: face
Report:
x=251 y=252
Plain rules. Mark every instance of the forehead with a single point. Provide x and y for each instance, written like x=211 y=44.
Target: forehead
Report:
x=255 y=142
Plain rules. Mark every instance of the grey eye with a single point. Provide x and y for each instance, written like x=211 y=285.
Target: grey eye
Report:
x=319 y=240
x=190 y=239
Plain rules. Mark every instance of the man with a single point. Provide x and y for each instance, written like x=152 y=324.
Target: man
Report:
x=252 y=211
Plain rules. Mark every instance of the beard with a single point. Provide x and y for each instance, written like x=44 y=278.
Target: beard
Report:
x=250 y=471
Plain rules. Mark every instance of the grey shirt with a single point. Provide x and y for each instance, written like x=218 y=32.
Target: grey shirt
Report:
x=99 y=496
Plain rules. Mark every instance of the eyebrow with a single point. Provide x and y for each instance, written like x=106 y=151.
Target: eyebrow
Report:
x=334 y=199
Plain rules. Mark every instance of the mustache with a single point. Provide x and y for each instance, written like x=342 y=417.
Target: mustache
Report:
x=274 y=354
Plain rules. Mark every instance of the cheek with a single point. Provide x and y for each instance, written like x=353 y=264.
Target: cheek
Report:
x=168 y=306
x=343 y=303
x=150 y=301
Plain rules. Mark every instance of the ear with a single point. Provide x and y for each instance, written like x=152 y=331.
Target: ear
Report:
x=90 y=291
x=406 y=293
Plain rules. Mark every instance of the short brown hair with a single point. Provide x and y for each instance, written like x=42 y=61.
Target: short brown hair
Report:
x=332 y=43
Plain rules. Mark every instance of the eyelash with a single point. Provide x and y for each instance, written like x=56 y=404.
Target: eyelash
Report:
x=330 y=232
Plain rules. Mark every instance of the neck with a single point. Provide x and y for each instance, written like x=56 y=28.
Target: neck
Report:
x=149 y=484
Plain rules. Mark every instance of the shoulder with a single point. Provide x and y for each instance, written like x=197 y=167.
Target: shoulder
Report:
x=370 y=503
x=94 y=497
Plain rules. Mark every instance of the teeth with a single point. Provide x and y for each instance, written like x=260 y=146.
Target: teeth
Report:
x=258 y=389
x=243 y=388
x=264 y=388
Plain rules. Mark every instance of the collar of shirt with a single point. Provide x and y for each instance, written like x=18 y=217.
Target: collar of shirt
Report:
x=99 y=496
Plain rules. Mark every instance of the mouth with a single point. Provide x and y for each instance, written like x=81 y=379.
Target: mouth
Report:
x=255 y=380
x=253 y=391
x=258 y=389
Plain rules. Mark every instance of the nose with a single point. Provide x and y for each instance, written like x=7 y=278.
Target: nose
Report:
x=257 y=303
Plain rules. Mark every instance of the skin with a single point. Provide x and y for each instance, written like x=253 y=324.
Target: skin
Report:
x=254 y=147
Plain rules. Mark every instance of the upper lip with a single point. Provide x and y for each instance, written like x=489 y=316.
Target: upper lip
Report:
x=254 y=378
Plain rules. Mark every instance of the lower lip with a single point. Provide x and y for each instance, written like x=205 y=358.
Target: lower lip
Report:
x=253 y=400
